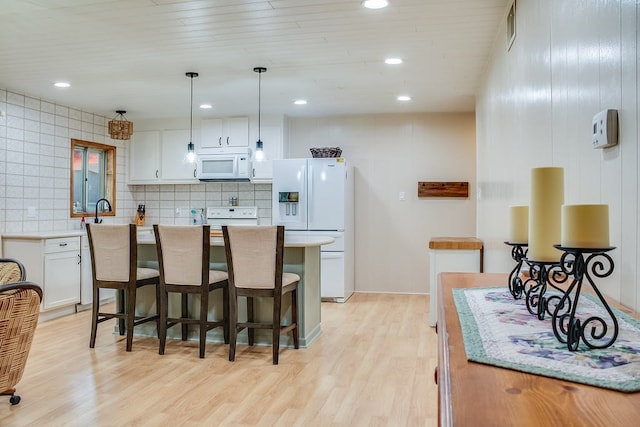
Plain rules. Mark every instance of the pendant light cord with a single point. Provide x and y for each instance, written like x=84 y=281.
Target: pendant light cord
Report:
x=259 y=101
x=191 y=75
x=191 y=115
x=259 y=70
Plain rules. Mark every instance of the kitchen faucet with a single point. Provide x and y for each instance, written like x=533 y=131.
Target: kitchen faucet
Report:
x=96 y=220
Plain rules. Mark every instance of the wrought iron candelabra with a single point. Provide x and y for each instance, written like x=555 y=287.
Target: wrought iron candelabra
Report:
x=542 y=275
x=581 y=264
x=518 y=254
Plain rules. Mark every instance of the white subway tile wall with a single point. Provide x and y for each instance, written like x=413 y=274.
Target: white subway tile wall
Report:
x=35 y=144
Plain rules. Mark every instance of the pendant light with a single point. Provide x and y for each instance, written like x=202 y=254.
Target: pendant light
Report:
x=259 y=156
x=191 y=149
x=120 y=127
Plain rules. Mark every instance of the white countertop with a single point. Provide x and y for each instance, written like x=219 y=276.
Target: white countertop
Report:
x=146 y=237
x=289 y=241
x=37 y=235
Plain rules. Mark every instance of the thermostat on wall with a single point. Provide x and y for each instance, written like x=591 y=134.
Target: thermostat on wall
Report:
x=605 y=129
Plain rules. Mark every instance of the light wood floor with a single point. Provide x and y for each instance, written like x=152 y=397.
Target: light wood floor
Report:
x=372 y=366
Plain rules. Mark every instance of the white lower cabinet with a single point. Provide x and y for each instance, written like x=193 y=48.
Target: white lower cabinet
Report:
x=86 y=277
x=61 y=279
x=52 y=263
x=451 y=254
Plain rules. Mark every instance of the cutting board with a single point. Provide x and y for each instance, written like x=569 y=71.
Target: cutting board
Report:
x=455 y=243
x=216 y=233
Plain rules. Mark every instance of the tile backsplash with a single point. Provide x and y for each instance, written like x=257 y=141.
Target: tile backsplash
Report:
x=35 y=144
x=166 y=204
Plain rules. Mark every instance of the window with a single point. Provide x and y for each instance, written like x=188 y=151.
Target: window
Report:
x=511 y=25
x=93 y=177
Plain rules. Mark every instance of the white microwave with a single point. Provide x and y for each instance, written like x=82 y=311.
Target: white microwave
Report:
x=225 y=166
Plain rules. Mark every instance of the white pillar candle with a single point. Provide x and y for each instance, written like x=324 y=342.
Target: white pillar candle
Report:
x=519 y=224
x=585 y=226
x=547 y=198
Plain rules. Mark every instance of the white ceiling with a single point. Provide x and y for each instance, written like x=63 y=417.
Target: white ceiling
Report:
x=133 y=54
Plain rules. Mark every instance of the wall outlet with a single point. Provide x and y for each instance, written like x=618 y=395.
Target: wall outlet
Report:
x=402 y=197
x=31 y=212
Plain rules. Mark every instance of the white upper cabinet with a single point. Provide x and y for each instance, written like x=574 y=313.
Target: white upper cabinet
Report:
x=226 y=134
x=271 y=137
x=158 y=157
x=174 y=168
x=144 y=157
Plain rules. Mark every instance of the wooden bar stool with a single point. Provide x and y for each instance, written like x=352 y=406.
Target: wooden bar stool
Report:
x=114 y=265
x=255 y=256
x=183 y=257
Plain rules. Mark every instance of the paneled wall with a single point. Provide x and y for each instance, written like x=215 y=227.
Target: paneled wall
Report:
x=570 y=59
x=390 y=154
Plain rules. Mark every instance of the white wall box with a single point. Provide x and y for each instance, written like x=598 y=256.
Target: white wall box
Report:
x=451 y=254
x=219 y=135
x=271 y=137
x=54 y=264
x=158 y=157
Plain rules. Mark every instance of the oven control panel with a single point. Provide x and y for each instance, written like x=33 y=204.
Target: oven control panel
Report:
x=232 y=212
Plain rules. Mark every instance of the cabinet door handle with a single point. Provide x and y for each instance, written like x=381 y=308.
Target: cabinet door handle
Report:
x=254 y=172
x=220 y=141
x=157 y=173
x=79 y=259
x=62 y=245
x=195 y=173
x=227 y=140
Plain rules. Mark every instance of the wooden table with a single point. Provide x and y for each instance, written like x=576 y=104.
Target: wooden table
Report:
x=473 y=394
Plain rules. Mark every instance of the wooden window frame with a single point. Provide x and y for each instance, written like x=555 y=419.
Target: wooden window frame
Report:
x=110 y=177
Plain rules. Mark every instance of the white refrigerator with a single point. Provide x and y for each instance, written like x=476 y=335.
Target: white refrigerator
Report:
x=315 y=197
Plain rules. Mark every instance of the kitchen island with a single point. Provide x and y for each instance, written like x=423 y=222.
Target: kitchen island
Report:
x=301 y=256
x=62 y=281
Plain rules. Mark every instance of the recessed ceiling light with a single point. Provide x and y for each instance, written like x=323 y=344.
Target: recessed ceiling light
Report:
x=206 y=106
x=404 y=98
x=300 y=102
x=375 y=4
x=393 y=61
x=61 y=84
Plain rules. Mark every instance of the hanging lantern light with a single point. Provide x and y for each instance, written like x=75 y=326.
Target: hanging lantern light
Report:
x=120 y=127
